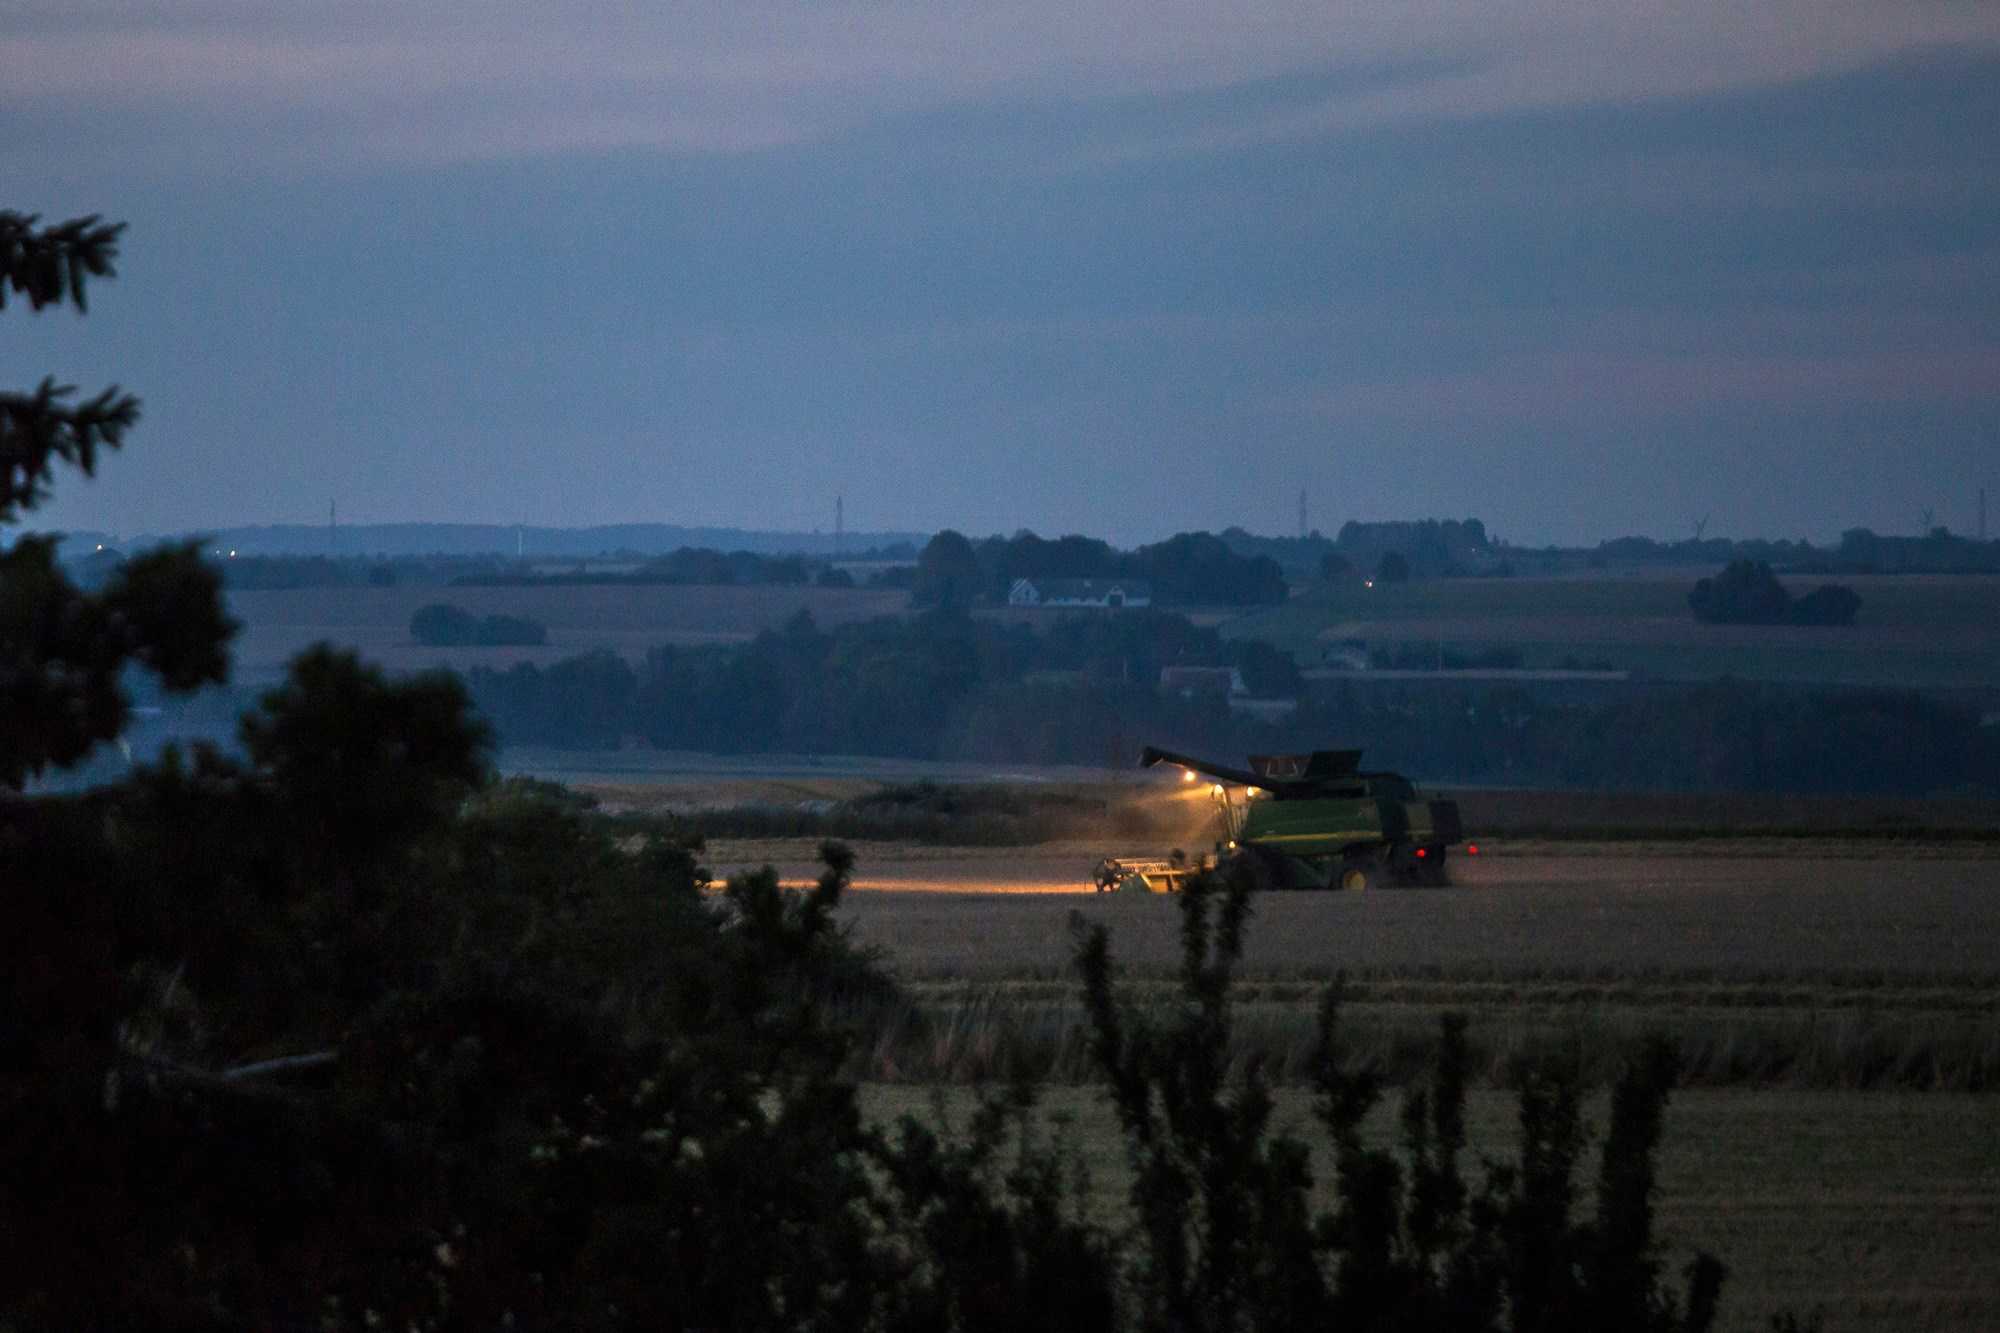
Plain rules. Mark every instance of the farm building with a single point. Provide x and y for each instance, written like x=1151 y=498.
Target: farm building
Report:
x=1106 y=593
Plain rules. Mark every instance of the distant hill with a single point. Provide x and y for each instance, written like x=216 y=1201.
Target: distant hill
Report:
x=392 y=539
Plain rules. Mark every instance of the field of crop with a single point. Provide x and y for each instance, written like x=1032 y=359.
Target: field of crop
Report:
x=1917 y=630
x=1824 y=966
x=626 y=619
x=1882 y=1209
x=1837 y=1011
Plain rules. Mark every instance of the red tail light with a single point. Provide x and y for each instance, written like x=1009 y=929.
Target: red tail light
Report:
x=1472 y=849
x=1422 y=852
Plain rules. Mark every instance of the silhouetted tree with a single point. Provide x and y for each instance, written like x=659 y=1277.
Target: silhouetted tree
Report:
x=1828 y=604
x=63 y=651
x=1746 y=592
x=948 y=572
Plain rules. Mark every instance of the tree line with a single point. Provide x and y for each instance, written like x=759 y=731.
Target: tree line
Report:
x=1085 y=691
x=1191 y=568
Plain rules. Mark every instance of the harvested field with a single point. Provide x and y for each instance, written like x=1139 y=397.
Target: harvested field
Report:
x=1882 y=1209
x=1608 y=908
x=1824 y=972
x=628 y=619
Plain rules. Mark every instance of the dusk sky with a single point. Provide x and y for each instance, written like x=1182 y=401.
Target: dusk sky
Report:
x=1578 y=270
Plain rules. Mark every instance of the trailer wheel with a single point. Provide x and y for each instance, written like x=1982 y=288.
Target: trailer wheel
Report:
x=1354 y=875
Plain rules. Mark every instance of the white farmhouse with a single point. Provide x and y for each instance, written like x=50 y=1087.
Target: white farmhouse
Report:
x=1109 y=594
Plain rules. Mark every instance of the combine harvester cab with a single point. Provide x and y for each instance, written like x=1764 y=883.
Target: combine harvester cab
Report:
x=1317 y=821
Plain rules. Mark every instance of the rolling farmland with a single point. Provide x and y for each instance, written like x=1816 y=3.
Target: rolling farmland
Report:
x=1836 y=1003
x=1913 y=630
x=627 y=619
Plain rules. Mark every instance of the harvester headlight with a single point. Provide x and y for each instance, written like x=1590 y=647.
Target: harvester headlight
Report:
x=1187 y=775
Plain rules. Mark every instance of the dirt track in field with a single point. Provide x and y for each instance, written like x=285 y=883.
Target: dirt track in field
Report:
x=1683 y=907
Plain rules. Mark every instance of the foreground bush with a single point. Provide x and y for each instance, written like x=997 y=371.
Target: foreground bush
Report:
x=1224 y=1235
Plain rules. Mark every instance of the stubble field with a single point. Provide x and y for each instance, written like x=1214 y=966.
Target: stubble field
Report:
x=628 y=619
x=1836 y=1001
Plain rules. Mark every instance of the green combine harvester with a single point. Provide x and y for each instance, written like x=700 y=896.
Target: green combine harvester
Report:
x=1308 y=821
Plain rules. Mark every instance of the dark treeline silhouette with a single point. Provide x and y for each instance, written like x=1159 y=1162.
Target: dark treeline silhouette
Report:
x=1940 y=551
x=1300 y=558
x=920 y=686
x=1192 y=568
x=1085 y=691
x=690 y=565
x=1428 y=548
x=1859 y=551
x=1748 y=593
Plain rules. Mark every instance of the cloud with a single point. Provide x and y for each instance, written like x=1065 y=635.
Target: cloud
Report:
x=446 y=81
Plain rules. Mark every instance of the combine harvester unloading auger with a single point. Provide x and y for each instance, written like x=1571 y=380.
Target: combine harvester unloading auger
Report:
x=1307 y=821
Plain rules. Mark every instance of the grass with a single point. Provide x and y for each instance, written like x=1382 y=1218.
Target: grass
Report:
x=1882 y=1209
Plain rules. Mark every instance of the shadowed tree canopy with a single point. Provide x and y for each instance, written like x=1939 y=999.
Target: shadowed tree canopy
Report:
x=948 y=572
x=1748 y=593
